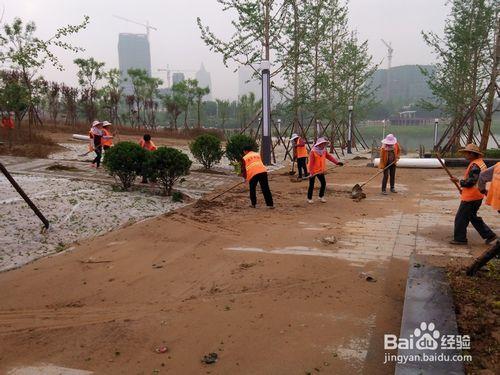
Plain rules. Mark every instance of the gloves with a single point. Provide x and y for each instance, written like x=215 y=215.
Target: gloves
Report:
x=340 y=164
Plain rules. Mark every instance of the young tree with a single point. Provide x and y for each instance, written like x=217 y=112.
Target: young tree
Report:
x=28 y=54
x=112 y=93
x=89 y=74
x=199 y=93
x=222 y=111
x=70 y=104
x=173 y=104
x=54 y=101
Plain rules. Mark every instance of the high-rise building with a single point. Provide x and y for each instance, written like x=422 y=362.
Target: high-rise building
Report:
x=133 y=52
x=247 y=83
x=204 y=80
x=177 y=77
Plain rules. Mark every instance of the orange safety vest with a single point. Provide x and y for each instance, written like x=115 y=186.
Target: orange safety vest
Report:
x=301 y=151
x=470 y=194
x=109 y=141
x=384 y=155
x=493 y=198
x=150 y=146
x=253 y=165
x=319 y=163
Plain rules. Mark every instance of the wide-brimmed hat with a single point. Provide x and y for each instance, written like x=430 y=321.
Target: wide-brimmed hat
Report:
x=106 y=123
x=96 y=122
x=294 y=136
x=471 y=147
x=390 y=140
x=320 y=141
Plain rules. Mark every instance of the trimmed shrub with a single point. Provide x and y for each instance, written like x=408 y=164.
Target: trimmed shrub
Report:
x=236 y=144
x=167 y=165
x=207 y=149
x=125 y=161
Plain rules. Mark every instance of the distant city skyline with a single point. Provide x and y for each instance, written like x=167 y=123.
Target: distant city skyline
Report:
x=177 y=43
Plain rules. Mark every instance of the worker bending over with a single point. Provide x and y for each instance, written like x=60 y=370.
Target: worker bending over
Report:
x=471 y=199
x=492 y=175
x=389 y=155
x=254 y=171
x=147 y=144
x=317 y=168
x=300 y=155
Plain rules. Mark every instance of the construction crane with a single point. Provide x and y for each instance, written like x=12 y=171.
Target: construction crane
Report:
x=170 y=71
x=390 y=51
x=146 y=25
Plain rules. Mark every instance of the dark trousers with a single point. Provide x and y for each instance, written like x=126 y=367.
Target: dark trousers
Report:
x=322 y=180
x=98 y=153
x=391 y=171
x=260 y=178
x=302 y=167
x=467 y=213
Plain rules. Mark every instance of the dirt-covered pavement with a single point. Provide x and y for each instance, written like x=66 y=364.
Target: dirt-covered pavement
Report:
x=269 y=291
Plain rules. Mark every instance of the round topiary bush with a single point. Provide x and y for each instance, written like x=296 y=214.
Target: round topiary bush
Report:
x=236 y=144
x=207 y=149
x=125 y=161
x=167 y=165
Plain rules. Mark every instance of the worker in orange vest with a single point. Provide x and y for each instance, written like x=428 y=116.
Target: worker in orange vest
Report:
x=300 y=155
x=389 y=153
x=254 y=171
x=147 y=144
x=471 y=199
x=491 y=175
x=107 y=141
x=317 y=168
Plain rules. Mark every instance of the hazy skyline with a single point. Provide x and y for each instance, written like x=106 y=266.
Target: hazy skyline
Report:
x=177 y=41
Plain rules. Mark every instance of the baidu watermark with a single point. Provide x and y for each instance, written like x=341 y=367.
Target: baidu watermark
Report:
x=427 y=344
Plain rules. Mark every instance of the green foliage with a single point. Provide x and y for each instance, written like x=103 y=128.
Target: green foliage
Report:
x=207 y=149
x=493 y=153
x=125 y=160
x=90 y=72
x=236 y=144
x=177 y=197
x=167 y=165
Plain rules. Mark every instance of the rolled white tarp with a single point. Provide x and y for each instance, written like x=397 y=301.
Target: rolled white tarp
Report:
x=414 y=163
x=81 y=137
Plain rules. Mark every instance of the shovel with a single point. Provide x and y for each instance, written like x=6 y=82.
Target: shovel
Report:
x=438 y=156
x=357 y=190
x=292 y=172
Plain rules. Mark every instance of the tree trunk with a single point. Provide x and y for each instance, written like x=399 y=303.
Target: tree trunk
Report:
x=491 y=92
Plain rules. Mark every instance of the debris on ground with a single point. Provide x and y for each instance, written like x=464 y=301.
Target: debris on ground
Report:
x=61 y=167
x=161 y=350
x=210 y=358
x=368 y=277
x=330 y=240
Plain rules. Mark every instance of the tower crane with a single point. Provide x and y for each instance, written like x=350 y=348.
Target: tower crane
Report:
x=390 y=51
x=146 y=25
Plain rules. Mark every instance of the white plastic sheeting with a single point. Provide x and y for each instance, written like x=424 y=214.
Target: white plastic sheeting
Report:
x=414 y=163
x=81 y=137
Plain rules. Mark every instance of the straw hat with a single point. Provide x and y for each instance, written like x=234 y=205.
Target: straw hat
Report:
x=320 y=141
x=294 y=136
x=390 y=140
x=106 y=123
x=96 y=122
x=471 y=147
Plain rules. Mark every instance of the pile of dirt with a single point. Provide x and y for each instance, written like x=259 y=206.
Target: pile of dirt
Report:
x=478 y=315
x=61 y=167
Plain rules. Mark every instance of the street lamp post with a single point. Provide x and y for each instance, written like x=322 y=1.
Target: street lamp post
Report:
x=349 y=131
x=436 y=123
x=266 y=112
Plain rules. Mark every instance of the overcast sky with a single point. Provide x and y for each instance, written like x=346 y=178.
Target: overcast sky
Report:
x=177 y=41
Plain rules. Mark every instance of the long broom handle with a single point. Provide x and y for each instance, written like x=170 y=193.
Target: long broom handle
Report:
x=448 y=171
x=375 y=175
x=228 y=190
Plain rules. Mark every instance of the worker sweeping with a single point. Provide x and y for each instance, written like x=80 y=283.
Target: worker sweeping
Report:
x=389 y=155
x=300 y=155
x=491 y=175
x=254 y=171
x=96 y=134
x=107 y=141
x=317 y=168
x=147 y=144
x=471 y=199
